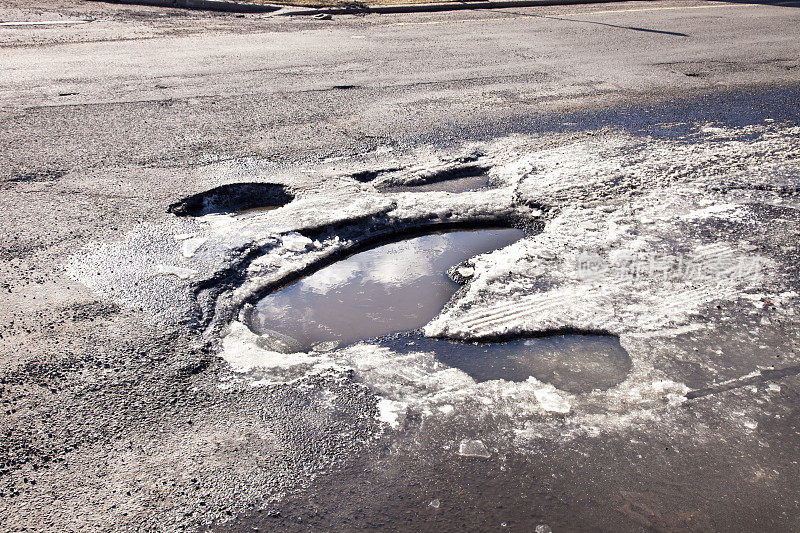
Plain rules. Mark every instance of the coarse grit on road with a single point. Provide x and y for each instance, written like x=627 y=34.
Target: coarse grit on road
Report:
x=649 y=150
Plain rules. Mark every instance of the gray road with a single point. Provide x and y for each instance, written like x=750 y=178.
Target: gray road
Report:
x=111 y=420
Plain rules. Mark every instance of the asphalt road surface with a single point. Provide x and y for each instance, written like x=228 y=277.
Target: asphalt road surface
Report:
x=118 y=411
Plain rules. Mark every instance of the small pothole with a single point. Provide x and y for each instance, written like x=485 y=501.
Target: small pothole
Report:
x=240 y=198
x=458 y=177
x=456 y=185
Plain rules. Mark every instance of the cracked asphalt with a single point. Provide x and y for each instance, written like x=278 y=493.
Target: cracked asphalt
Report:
x=118 y=412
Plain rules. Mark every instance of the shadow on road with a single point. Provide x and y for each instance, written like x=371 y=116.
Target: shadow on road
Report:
x=633 y=28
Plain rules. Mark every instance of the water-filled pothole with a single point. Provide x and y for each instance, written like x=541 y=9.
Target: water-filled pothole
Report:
x=399 y=287
x=463 y=176
x=456 y=185
x=573 y=363
x=395 y=287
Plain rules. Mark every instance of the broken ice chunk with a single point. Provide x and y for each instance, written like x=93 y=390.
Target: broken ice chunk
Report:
x=326 y=346
x=547 y=255
x=551 y=401
x=466 y=271
x=274 y=341
x=473 y=448
x=191 y=245
x=296 y=242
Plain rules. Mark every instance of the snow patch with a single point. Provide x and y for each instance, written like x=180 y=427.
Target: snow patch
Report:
x=389 y=412
x=241 y=351
x=190 y=246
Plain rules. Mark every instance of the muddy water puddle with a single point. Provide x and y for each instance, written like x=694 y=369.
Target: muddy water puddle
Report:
x=395 y=287
x=401 y=286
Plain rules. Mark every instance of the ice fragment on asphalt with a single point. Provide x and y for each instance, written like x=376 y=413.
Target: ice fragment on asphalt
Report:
x=543 y=528
x=674 y=393
x=191 y=245
x=552 y=401
x=273 y=341
x=180 y=272
x=435 y=504
x=547 y=255
x=473 y=448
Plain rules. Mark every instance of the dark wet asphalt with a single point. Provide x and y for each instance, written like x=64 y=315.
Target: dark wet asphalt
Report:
x=692 y=472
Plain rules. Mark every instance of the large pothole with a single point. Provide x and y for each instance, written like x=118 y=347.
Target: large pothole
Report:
x=385 y=294
x=395 y=287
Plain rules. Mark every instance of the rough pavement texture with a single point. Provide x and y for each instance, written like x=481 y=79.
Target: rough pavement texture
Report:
x=119 y=414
